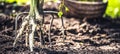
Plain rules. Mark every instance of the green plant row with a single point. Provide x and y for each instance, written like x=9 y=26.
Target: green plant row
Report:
x=113 y=9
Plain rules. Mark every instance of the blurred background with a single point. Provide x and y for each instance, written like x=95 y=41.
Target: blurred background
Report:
x=113 y=8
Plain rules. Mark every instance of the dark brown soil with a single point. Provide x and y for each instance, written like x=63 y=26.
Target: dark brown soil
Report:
x=93 y=36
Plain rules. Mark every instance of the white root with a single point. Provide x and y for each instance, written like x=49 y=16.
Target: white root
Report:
x=20 y=31
x=26 y=37
x=31 y=34
x=31 y=27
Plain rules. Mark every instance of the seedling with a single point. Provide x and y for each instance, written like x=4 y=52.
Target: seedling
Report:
x=33 y=22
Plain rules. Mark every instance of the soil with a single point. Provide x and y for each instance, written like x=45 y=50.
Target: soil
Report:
x=93 y=36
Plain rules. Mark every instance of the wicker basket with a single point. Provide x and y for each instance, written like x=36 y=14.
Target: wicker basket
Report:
x=85 y=9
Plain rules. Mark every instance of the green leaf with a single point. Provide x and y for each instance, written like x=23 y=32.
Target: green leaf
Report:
x=66 y=9
x=116 y=10
x=60 y=14
x=113 y=8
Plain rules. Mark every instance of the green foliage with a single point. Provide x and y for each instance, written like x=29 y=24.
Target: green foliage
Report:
x=66 y=9
x=10 y=1
x=113 y=8
x=19 y=2
x=62 y=7
x=60 y=13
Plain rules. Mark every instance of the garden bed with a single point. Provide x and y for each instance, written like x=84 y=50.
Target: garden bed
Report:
x=93 y=36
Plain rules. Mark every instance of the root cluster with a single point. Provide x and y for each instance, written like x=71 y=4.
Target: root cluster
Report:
x=32 y=24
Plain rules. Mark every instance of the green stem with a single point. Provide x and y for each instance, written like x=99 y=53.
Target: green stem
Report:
x=33 y=14
x=34 y=7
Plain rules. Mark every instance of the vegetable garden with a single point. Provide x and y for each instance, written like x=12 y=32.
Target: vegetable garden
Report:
x=52 y=27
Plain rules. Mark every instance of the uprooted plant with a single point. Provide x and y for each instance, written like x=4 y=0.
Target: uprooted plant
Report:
x=32 y=23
